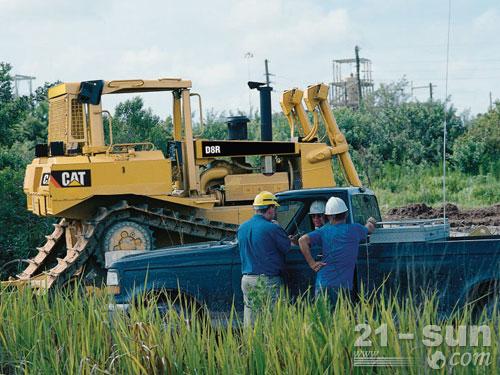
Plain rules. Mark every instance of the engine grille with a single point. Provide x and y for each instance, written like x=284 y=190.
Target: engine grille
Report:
x=77 y=119
x=57 y=120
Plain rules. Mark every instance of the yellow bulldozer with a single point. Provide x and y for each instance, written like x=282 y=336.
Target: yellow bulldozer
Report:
x=114 y=199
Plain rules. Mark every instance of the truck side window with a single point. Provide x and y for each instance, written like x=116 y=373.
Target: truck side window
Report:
x=305 y=225
x=287 y=215
x=364 y=206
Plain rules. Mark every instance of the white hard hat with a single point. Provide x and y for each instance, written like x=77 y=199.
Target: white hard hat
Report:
x=335 y=206
x=317 y=207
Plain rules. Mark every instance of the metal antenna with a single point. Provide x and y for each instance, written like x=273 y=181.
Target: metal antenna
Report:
x=445 y=110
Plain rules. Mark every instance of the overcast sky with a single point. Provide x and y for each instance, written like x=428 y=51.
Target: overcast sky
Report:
x=206 y=41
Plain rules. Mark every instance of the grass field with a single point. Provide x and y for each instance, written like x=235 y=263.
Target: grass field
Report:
x=71 y=333
x=398 y=186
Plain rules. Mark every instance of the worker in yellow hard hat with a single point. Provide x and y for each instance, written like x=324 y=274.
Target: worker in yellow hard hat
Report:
x=263 y=246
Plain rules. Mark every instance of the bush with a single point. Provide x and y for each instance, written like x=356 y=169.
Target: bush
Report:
x=478 y=150
x=400 y=185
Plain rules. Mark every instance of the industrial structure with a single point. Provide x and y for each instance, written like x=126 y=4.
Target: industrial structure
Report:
x=352 y=81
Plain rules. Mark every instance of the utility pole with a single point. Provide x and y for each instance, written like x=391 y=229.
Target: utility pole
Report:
x=491 y=102
x=431 y=87
x=268 y=75
x=356 y=51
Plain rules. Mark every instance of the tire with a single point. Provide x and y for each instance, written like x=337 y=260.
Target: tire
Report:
x=171 y=306
x=491 y=306
x=488 y=299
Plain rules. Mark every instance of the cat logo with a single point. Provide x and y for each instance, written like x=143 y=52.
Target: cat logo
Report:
x=45 y=179
x=68 y=179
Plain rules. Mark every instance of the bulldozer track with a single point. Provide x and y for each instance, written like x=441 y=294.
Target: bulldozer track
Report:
x=87 y=242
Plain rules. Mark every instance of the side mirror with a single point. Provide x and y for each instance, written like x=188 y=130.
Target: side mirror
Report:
x=90 y=92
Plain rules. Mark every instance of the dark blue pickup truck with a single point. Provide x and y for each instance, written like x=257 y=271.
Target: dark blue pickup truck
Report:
x=406 y=256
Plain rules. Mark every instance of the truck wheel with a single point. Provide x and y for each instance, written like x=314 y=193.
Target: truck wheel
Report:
x=182 y=306
x=183 y=313
x=491 y=306
x=489 y=303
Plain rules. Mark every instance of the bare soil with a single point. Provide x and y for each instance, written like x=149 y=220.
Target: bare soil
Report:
x=460 y=219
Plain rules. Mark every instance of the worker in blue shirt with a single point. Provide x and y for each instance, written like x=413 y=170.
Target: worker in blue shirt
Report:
x=263 y=245
x=340 y=245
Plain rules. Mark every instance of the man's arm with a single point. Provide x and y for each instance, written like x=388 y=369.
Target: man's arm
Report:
x=305 y=249
x=370 y=224
x=283 y=242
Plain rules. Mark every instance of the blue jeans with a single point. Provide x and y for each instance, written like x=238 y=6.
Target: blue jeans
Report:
x=332 y=293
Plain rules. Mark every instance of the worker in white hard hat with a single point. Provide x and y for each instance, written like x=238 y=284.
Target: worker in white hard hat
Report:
x=263 y=246
x=317 y=214
x=340 y=244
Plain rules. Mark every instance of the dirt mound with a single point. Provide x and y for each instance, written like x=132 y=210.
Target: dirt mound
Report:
x=489 y=216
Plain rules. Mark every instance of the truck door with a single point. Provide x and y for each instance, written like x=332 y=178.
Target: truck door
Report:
x=298 y=275
x=367 y=275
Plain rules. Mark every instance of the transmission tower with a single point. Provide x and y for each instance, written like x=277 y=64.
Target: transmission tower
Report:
x=20 y=77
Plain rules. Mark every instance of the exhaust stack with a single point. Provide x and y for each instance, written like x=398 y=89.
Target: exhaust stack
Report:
x=266 y=126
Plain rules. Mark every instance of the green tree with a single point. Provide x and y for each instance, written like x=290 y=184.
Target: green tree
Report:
x=393 y=129
x=23 y=122
x=132 y=123
x=478 y=150
x=12 y=109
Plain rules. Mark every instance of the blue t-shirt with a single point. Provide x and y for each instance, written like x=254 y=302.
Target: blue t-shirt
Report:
x=340 y=245
x=263 y=246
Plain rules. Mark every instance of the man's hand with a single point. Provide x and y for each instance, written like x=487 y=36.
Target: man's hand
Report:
x=294 y=239
x=316 y=266
x=370 y=224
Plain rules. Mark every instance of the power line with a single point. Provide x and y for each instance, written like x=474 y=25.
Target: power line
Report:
x=389 y=79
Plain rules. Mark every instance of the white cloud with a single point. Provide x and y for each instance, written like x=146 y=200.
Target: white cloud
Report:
x=487 y=21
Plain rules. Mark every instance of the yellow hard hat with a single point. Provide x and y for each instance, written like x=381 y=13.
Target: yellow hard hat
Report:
x=265 y=198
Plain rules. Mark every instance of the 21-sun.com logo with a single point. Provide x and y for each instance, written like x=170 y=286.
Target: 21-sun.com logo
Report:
x=436 y=360
x=447 y=346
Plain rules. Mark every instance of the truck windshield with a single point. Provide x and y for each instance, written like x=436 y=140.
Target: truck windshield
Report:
x=363 y=207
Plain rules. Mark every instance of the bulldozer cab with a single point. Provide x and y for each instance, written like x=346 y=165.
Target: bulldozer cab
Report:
x=76 y=124
x=76 y=113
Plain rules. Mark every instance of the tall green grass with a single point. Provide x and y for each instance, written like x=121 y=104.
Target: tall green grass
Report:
x=397 y=186
x=71 y=333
